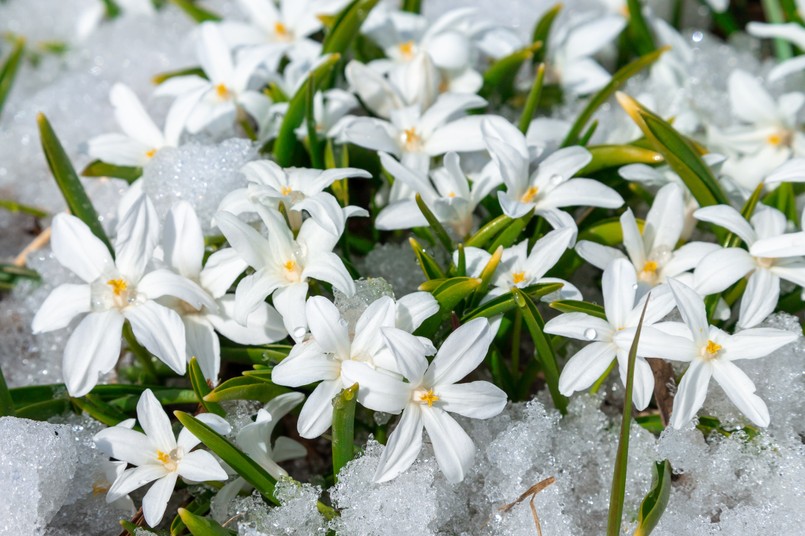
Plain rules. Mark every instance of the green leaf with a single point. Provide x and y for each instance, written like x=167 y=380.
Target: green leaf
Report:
x=533 y=99
x=618 y=491
x=506 y=302
x=31 y=394
x=198 y=14
x=732 y=240
x=14 y=207
x=97 y=168
x=315 y=146
x=6 y=402
x=576 y=306
x=511 y=233
x=200 y=387
x=618 y=79
x=435 y=224
x=412 y=6
x=655 y=501
x=42 y=411
x=347 y=26
x=129 y=527
x=260 y=355
x=427 y=263
x=343 y=443
x=500 y=76
x=542 y=344
x=187 y=71
x=100 y=410
x=488 y=231
x=68 y=182
x=229 y=453
x=609 y=156
x=8 y=71
x=245 y=388
x=286 y=144
x=487 y=273
x=449 y=294
x=542 y=31
x=608 y=232
x=202 y=526
x=638 y=28
x=652 y=423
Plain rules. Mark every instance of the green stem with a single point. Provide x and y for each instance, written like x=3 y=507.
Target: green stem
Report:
x=142 y=355
x=516 y=334
x=775 y=15
x=533 y=99
x=13 y=206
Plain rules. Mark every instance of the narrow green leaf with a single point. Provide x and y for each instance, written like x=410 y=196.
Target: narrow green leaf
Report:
x=96 y=168
x=461 y=268
x=14 y=207
x=42 y=411
x=412 y=6
x=8 y=71
x=427 y=263
x=167 y=396
x=533 y=99
x=129 y=527
x=608 y=232
x=488 y=232
x=732 y=240
x=618 y=79
x=775 y=15
x=609 y=156
x=245 y=388
x=588 y=134
x=343 y=443
x=576 y=306
x=100 y=410
x=500 y=76
x=315 y=146
x=200 y=387
x=542 y=31
x=488 y=272
x=618 y=491
x=6 y=402
x=505 y=302
x=200 y=505
x=229 y=453
x=195 y=12
x=449 y=294
x=347 y=26
x=542 y=344
x=435 y=225
x=653 y=505
x=652 y=423
x=202 y=526
x=511 y=233
x=260 y=355
x=639 y=29
x=187 y=71
x=68 y=182
x=31 y=394
x=286 y=144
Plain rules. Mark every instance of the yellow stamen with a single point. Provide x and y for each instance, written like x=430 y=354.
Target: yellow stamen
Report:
x=518 y=277
x=774 y=139
x=280 y=29
x=222 y=91
x=712 y=348
x=410 y=137
x=451 y=194
x=289 y=265
x=650 y=266
x=286 y=190
x=529 y=194
x=150 y=153
x=99 y=489
x=407 y=49
x=624 y=11
x=119 y=286
x=163 y=457
x=428 y=397
x=443 y=85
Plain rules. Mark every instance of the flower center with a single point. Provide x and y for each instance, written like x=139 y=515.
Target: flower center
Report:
x=293 y=271
x=119 y=286
x=649 y=272
x=428 y=398
x=99 y=488
x=115 y=293
x=150 y=153
x=711 y=350
x=530 y=194
x=171 y=459
x=764 y=262
x=282 y=31
x=407 y=49
x=518 y=277
x=411 y=139
x=451 y=195
x=222 y=92
x=286 y=190
x=781 y=137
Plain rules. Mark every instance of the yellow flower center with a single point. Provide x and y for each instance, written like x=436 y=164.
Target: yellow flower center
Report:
x=99 y=489
x=222 y=91
x=280 y=29
x=530 y=194
x=119 y=286
x=411 y=139
x=712 y=349
x=429 y=398
x=289 y=265
x=286 y=190
x=407 y=49
x=150 y=153
x=170 y=459
x=518 y=277
x=451 y=194
x=444 y=85
x=650 y=266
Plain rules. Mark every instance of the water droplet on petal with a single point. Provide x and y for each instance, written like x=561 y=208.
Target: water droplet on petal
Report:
x=590 y=333
x=556 y=179
x=634 y=286
x=298 y=333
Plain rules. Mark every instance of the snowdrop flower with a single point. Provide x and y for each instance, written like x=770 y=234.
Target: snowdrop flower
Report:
x=446 y=192
x=322 y=356
x=183 y=247
x=711 y=352
x=413 y=85
x=297 y=189
x=141 y=138
x=213 y=102
x=519 y=268
x=329 y=107
x=653 y=254
x=429 y=395
x=611 y=338
x=114 y=291
x=793 y=33
x=414 y=135
x=255 y=440
x=550 y=186
x=108 y=471
x=769 y=135
x=570 y=52
x=723 y=267
x=91 y=18
x=158 y=456
x=283 y=264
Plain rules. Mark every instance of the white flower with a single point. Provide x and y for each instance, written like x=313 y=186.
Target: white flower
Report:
x=331 y=345
x=611 y=338
x=298 y=189
x=329 y=107
x=792 y=32
x=550 y=186
x=158 y=456
x=255 y=440
x=653 y=254
x=212 y=102
x=720 y=269
x=183 y=247
x=141 y=138
x=114 y=291
x=711 y=353
x=283 y=264
x=446 y=192
x=430 y=393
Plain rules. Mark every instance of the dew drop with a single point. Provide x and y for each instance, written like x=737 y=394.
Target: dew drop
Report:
x=590 y=333
x=298 y=333
x=555 y=179
x=634 y=286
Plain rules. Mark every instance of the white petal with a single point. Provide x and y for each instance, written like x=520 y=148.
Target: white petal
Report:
x=657 y=342
x=619 y=284
x=213 y=54
x=92 y=349
x=263 y=325
x=741 y=391
x=154 y=422
x=250 y=244
x=64 y=303
x=452 y=446
x=580 y=326
x=461 y=135
x=547 y=251
x=325 y=210
x=687 y=257
x=380 y=313
x=137 y=236
x=118 y=149
x=221 y=270
x=477 y=400
x=290 y=303
x=200 y=466
x=202 y=343
x=720 y=269
x=755 y=343
x=728 y=218
x=632 y=240
x=507 y=147
x=665 y=220
x=253 y=289
x=596 y=254
x=71 y=236
x=759 y=298
x=124 y=444
x=409 y=353
x=415 y=308
x=371 y=134
x=377 y=390
x=134 y=478
x=317 y=413
x=156 y=499
x=750 y=100
x=188 y=441
x=561 y=165
x=327 y=266
x=782 y=246
x=161 y=331
x=132 y=117
x=403 y=446
x=585 y=367
x=691 y=393
x=460 y=353
x=307 y=363
x=183 y=243
x=328 y=328
x=581 y=192
x=691 y=307
x=165 y=283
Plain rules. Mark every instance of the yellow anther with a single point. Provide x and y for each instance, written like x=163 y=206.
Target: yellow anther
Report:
x=518 y=277
x=429 y=398
x=286 y=190
x=650 y=266
x=150 y=153
x=289 y=265
x=530 y=194
x=222 y=91
x=410 y=138
x=712 y=348
x=163 y=457
x=119 y=286
x=407 y=49
x=280 y=29
x=99 y=489
x=774 y=139
x=451 y=194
